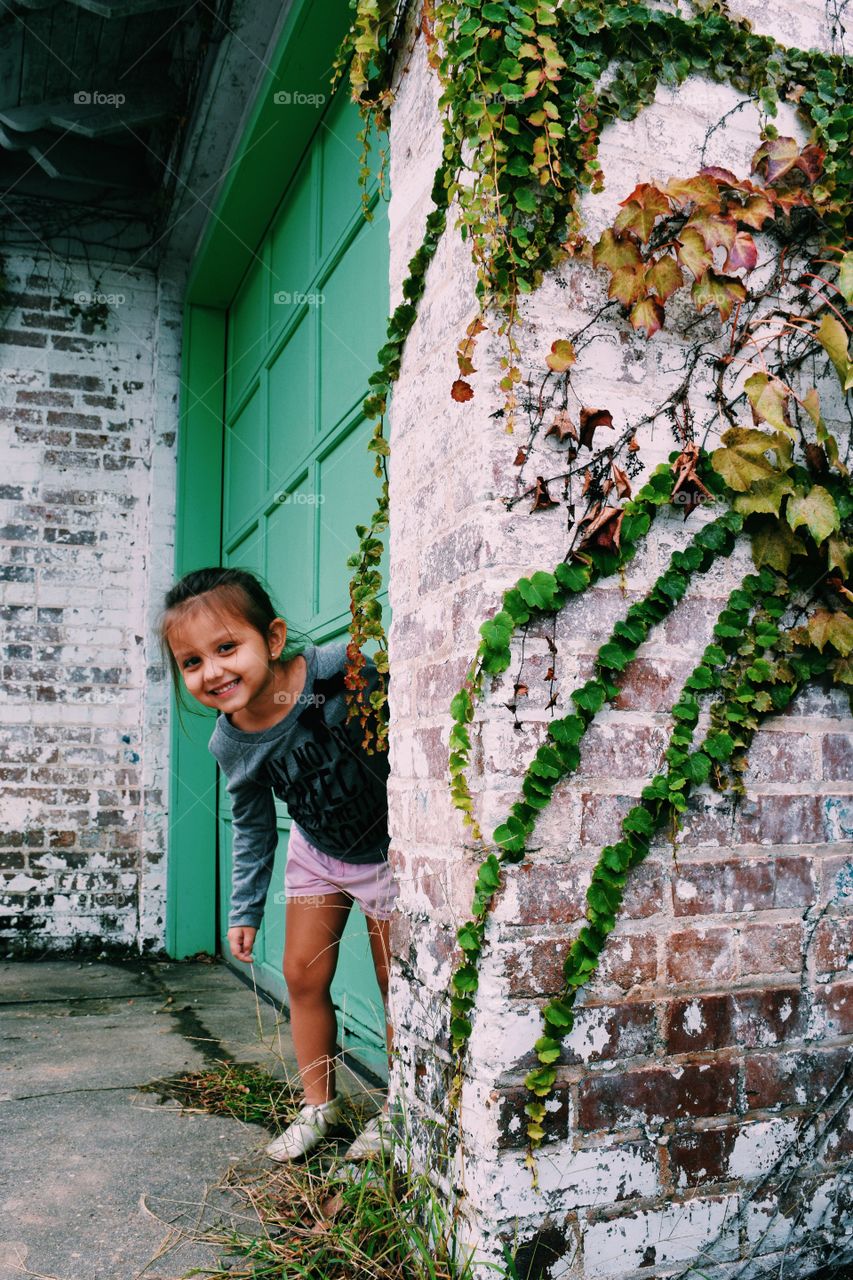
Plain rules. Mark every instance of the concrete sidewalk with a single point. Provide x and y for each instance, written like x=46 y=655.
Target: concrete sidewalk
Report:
x=93 y=1172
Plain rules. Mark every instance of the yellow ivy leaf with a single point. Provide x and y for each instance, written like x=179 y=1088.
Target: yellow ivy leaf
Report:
x=613 y=251
x=692 y=254
x=835 y=628
x=627 y=285
x=774 y=544
x=817 y=511
x=845 y=277
x=838 y=553
x=647 y=314
x=721 y=291
x=741 y=469
x=764 y=496
x=832 y=336
x=562 y=356
x=768 y=397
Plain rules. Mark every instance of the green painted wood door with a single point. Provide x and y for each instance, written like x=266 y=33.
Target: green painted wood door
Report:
x=302 y=335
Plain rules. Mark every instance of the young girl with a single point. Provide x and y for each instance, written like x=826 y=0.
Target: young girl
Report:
x=283 y=731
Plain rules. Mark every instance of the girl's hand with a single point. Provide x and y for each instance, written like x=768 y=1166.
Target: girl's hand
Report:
x=240 y=939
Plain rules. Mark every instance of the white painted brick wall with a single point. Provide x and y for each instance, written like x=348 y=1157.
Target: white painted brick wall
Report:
x=97 y=461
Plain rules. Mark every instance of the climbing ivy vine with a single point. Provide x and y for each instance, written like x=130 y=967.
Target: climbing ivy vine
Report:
x=754 y=273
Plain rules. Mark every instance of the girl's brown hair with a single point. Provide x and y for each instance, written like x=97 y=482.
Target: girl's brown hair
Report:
x=235 y=591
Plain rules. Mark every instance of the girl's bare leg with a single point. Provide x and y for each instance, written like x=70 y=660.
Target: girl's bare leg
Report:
x=379 y=933
x=313 y=931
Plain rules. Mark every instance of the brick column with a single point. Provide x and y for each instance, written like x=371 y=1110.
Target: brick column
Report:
x=723 y=1008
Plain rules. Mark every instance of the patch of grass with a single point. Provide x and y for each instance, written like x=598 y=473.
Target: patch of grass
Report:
x=320 y=1218
x=322 y=1221
x=239 y=1089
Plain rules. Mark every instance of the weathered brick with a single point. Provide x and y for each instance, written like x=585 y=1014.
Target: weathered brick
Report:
x=743 y=884
x=802 y=1078
x=696 y=1159
x=76 y=381
x=703 y=954
x=699 y=1024
x=630 y=1098
x=833 y=944
x=512 y=1121
x=782 y=820
x=769 y=1016
x=651 y=686
x=837 y=756
x=770 y=948
x=834 y=1004
x=781 y=757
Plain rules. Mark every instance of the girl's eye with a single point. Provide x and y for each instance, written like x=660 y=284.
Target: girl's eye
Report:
x=226 y=644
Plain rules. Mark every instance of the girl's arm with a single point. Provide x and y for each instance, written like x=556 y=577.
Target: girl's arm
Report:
x=253 y=845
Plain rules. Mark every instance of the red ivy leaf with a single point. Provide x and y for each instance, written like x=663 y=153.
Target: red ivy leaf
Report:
x=714 y=229
x=647 y=314
x=700 y=190
x=462 y=391
x=591 y=419
x=743 y=254
x=725 y=176
x=519 y=459
x=641 y=209
x=775 y=157
x=721 y=291
x=811 y=162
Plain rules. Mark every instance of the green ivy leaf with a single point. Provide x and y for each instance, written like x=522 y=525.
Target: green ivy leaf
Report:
x=590 y=697
x=719 y=746
x=465 y=979
x=640 y=820
x=469 y=938
x=572 y=577
x=547 y=1049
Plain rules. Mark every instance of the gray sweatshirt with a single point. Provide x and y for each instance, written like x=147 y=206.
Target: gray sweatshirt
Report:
x=313 y=761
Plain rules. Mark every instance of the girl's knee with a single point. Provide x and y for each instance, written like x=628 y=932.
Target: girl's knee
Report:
x=303 y=983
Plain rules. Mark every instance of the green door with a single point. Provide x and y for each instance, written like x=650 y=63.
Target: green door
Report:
x=302 y=334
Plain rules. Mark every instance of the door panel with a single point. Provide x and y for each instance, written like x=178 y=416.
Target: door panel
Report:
x=303 y=332
x=351 y=329
x=292 y=379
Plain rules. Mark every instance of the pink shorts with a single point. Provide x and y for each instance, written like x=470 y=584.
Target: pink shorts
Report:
x=310 y=873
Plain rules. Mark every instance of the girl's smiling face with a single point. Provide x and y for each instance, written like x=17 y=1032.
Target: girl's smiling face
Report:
x=225 y=662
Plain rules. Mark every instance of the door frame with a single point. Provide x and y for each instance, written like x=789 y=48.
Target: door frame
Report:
x=264 y=162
